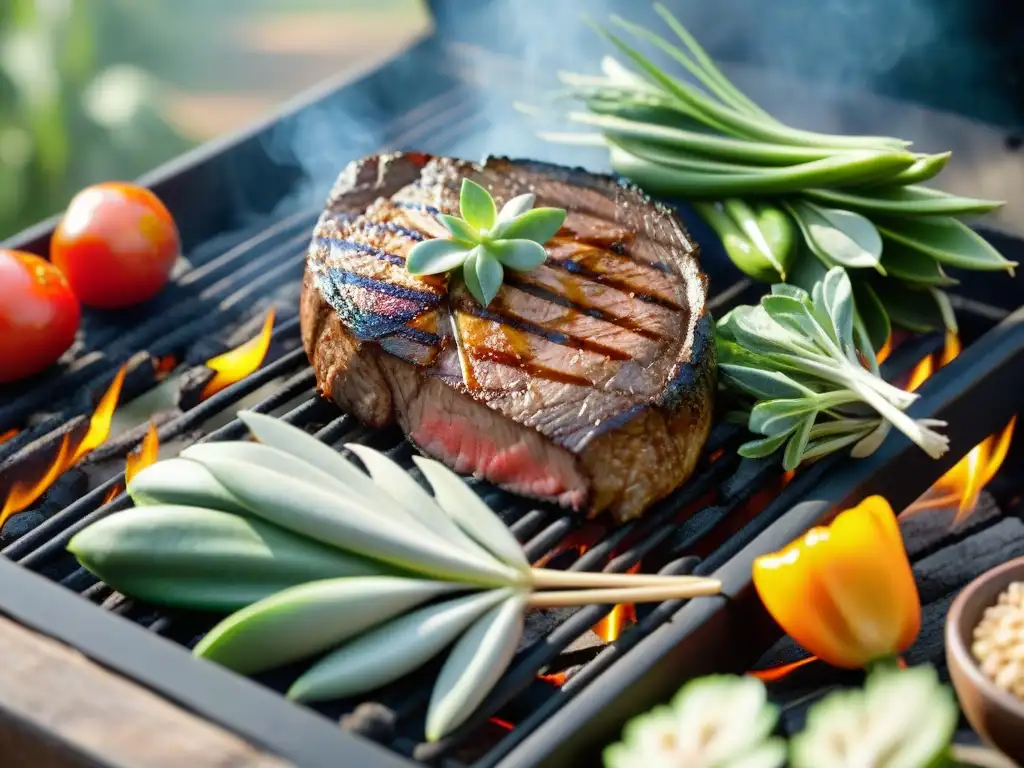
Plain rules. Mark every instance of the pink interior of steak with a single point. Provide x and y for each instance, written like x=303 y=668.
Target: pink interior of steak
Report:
x=563 y=387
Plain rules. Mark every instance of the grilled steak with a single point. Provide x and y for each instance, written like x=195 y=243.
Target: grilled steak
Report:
x=588 y=380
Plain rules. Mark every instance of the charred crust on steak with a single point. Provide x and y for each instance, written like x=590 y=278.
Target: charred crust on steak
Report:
x=588 y=381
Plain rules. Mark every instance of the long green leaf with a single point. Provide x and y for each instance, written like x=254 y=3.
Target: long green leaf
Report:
x=677 y=182
x=311 y=618
x=913 y=309
x=346 y=523
x=205 y=559
x=871 y=313
x=392 y=650
x=475 y=664
x=471 y=514
x=794 y=452
x=762 y=447
x=179 y=482
x=838 y=236
x=913 y=266
x=903 y=201
x=946 y=240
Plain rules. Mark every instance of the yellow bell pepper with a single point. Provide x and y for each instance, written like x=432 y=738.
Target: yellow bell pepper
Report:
x=845 y=592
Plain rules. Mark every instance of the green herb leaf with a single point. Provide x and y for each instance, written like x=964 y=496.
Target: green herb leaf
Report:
x=872 y=316
x=904 y=201
x=538 y=225
x=765 y=446
x=763 y=383
x=474 y=517
x=431 y=257
x=837 y=296
x=470 y=278
x=391 y=650
x=914 y=309
x=475 y=664
x=946 y=240
x=839 y=237
x=794 y=452
x=309 y=619
x=204 y=559
x=521 y=255
x=476 y=206
x=462 y=232
x=913 y=266
x=179 y=482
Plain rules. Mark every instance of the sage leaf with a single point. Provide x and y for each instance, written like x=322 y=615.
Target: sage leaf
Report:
x=792 y=291
x=462 y=233
x=489 y=274
x=763 y=383
x=815 y=449
x=179 y=482
x=296 y=442
x=538 y=225
x=904 y=201
x=476 y=206
x=410 y=495
x=346 y=523
x=946 y=240
x=475 y=664
x=517 y=206
x=432 y=257
x=772 y=417
x=838 y=236
x=309 y=619
x=392 y=650
x=872 y=441
x=913 y=266
x=471 y=514
x=837 y=296
x=765 y=446
x=794 y=452
x=521 y=255
x=205 y=559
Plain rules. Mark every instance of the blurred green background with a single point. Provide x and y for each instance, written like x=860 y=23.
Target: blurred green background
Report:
x=92 y=90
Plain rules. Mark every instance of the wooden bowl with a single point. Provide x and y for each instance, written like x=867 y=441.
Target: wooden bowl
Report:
x=995 y=714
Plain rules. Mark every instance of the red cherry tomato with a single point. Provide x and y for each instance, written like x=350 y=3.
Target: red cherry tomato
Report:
x=39 y=315
x=116 y=244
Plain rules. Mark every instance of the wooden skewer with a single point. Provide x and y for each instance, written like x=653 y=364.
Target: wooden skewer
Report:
x=542 y=577
x=635 y=595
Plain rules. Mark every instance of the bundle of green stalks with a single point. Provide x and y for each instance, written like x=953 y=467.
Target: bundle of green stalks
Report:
x=788 y=204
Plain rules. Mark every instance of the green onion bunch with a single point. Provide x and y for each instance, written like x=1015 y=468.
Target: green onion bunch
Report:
x=788 y=204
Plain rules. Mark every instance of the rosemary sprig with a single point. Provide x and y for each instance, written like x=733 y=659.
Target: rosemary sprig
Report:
x=795 y=354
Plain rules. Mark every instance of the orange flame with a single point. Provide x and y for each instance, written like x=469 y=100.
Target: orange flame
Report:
x=241 y=361
x=772 y=674
x=557 y=679
x=112 y=493
x=22 y=496
x=610 y=627
x=8 y=435
x=962 y=485
x=883 y=354
x=164 y=365
x=146 y=455
x=102 y=417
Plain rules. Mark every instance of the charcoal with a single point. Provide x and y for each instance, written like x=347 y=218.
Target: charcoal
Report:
x=750 y=473
x=930 y=646
x=117 y=448
x=372 y=721
x=20 y=524
x=540 y=623
x=922 y=531
x=951 y=568
x=190 y=386
x=65 y=490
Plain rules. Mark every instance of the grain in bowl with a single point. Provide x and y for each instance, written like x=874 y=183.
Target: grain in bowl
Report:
x=998 y=643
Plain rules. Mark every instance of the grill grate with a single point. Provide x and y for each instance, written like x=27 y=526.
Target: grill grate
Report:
x=700 y=518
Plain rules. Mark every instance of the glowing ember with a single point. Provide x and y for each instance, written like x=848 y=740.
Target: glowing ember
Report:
x=8 y=435
x=21 y=496
x=557 y=679
x=146 y=455
x=502 y=723
x=24 y=495
x=241 y=361
x=164 y=366
x=99 y=424
x=772 y=674
x=961 y=485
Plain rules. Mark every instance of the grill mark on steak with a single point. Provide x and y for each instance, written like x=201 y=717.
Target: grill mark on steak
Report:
x=588 y=380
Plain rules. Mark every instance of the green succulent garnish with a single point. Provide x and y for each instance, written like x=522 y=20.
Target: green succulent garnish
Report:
x=901 y=719
x=720 y=721
x=484 y=241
